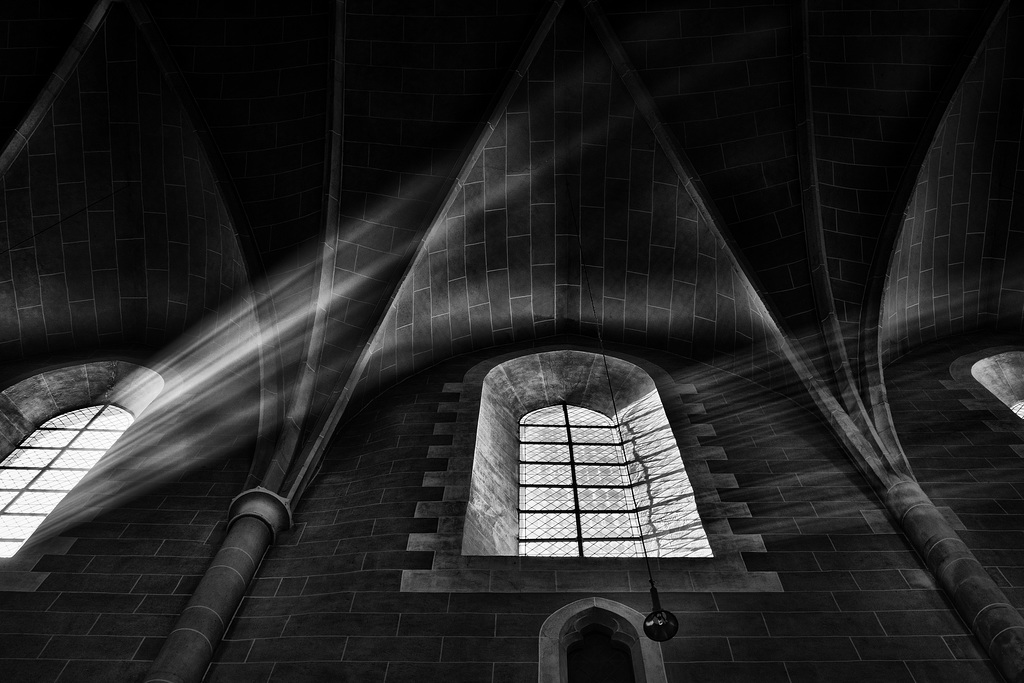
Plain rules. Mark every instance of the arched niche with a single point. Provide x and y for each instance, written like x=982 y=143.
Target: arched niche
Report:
x=625 y=626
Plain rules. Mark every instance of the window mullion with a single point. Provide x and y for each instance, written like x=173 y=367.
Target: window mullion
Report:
x=575 y=487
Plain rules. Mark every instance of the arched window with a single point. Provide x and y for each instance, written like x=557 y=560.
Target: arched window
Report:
x=520 y=501
x=48 y=463
x=576 y=496
x=1003 y=375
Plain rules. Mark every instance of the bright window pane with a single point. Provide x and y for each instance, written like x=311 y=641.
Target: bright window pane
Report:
x=50 y=462
x=31 y=457
x=39 y=502
x=16 y=479
x=597 y=454
x=101 y=440
x=539 y=475
x=58 y=480
x=49 y=438
x=613 y=548
x=8 y=548
x=547 y=525
x=1018 y=408
x=13 y=527
x=116 y=419
x=608 y=525
x=75 y=419
x=573 y=491
x=597 y=475
x=584 y=417
x=605 y=499
x=536 y=452
x=593 y=435
x=543 y=498
x=549 y=415
x=533 y=433
x=549 y=548
x=79 y=460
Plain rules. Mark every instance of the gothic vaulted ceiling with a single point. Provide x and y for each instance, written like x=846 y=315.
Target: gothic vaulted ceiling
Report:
x=383 y=184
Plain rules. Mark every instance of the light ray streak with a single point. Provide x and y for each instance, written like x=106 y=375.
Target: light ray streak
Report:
x=209 y=409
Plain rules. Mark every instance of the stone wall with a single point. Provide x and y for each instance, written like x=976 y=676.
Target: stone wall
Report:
x=810 y=580
x=95 y=591
x=965 y=447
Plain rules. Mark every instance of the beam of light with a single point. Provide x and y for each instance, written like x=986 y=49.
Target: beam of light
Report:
x=210 y=407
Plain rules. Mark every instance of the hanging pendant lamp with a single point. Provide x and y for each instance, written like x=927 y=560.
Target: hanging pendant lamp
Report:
x=660 y=625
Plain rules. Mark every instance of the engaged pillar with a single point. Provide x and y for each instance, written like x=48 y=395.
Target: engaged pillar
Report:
x=255 y=516
x=981 y=603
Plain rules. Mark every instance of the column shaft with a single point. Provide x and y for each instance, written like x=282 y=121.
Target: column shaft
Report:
x=980 y=602
x=256 y=516
x=189 y=648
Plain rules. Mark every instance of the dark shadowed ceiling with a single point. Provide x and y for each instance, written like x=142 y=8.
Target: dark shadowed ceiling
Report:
x=394 y=182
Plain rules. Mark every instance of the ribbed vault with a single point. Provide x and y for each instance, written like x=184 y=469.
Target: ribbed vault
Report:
x=113 y=229
x=956 y=265
x=426 y=179
x=572 y=210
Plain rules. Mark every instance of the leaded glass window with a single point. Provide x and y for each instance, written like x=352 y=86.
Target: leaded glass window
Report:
x=575 y=493
x=48 y=464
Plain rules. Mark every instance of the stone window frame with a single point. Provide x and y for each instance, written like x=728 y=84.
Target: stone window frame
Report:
x=452 y=571
x=520 y=385
x=567 y=625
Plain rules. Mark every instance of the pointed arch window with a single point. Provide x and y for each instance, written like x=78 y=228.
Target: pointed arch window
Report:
x=47 y=465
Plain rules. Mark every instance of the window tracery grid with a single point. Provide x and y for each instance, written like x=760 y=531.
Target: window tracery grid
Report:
x=49 y=463
x=575 y=494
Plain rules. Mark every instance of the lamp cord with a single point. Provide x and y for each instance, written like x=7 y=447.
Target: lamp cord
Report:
x=61 y=220
x=608 y=377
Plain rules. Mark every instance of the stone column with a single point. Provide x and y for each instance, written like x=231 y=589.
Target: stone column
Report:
x=980 y=602
x=255 y=516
